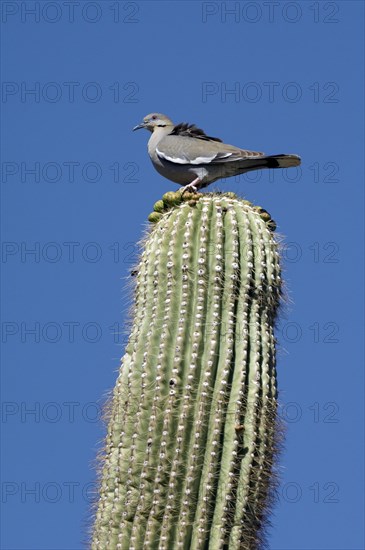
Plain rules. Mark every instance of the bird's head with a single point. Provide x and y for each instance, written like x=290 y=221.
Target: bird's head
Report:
x=154 y=121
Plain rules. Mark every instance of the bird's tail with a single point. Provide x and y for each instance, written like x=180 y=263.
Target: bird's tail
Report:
x=279 y=161
x=259 y=163
x=247 y=164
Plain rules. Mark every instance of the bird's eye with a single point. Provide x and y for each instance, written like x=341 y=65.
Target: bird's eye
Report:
x=154 y=117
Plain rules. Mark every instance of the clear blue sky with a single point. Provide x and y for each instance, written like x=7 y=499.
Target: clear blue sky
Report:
x=282 y=77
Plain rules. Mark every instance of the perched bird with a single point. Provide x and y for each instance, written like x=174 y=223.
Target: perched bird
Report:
x=186 y=155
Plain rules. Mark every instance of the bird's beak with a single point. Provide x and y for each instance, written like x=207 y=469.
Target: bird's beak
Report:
x=142 y=125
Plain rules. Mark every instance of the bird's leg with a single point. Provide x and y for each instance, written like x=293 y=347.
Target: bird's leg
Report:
x=193 y=186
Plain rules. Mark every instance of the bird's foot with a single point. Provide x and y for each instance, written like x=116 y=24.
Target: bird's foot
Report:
x=188 y=188
x=193 y=186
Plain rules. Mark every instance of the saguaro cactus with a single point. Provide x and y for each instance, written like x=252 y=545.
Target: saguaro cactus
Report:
x=188 y=461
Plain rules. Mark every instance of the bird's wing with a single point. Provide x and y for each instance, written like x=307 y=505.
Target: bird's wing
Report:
x=183 y=149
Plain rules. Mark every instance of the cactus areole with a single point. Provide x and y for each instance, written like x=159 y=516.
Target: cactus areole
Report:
x=192 y=429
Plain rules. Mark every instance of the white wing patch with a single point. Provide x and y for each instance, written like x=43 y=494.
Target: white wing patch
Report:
x=176 y=160
x=202 y=160
x=185 y=160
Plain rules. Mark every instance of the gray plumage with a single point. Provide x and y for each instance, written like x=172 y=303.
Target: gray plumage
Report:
x=184 y=154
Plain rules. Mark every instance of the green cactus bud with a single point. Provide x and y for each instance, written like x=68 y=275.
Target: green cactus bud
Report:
x=271 y=225
x=159 y=206
x=193 y=432
x=187 y=196
x=172 y=198
x=154 y=217
x=265 y=216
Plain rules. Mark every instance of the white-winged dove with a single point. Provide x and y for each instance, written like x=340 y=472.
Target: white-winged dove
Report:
x=186 y=155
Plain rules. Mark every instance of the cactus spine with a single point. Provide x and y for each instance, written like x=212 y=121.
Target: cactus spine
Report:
x=192 y=430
